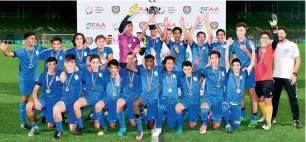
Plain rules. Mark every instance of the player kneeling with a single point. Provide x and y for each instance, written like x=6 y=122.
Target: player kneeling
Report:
x=71 y=91
x=51 y=94
x=231 y=107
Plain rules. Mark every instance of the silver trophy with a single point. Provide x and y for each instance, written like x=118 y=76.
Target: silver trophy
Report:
x=153 y=10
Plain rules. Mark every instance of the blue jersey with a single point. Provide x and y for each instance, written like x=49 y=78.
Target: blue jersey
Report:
x=80 y=56
x=94 y=83
x=191 y=84
x=200 y=52
x=157 y=45
x=212 y=91
x=221 y=48
x=240 y=54
x=104 y=53
x=128 y=77
x=28 y=62
x=181 y=56
x=113 y=89
x=168 y=83
x=53 y=84
x=59 y=55
x=149 y=81
x=233 y=95
x=72 y=87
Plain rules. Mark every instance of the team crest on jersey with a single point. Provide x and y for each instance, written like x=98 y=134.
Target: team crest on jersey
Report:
x=89 y=40
x=37 y=52
x=100 y=74
x=115 y=9
x=173 y=76
x=195 y=78
x=76 y=77
x=240 y=77
x=85 y=53
x=155 y=73
x=214 y=25
x=187 y=9
x=60 y=58
x=222 y=73
x=57 y=78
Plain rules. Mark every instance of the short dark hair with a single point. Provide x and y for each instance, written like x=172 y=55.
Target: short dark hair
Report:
x=128 y=22
x=52 y=59
x=282 y=28
x=235 y=60
x=74 y=37
x=241 y=24
x=56 y=38
x=94 y=56
x=69 y=57
x=266 y=32
x=168 y=58
x=186 y=64
x=98 y=37
x=169 y=29
x=26 y=35
x=177 y=28
x=113 y=62
x=149 y=56
x=200 y=32
x=220 y=30
x=215 y=52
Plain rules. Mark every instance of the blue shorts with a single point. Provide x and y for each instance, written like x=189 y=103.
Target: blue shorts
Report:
x=91 y=101
x=26 y=86
x=151 y=105
x=235 y=112
x=169 y=108
x=193 y=110
x=111 y=107
x=69 y=108
x=250 y=80
x=129 y=108
x=49 y=109
x=216 y=109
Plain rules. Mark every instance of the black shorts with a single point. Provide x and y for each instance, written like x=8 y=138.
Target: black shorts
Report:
x=264 y=88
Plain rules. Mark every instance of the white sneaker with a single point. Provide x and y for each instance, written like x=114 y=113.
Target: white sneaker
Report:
x=267 y=126
x=274 y=120
x=156 y=132
x=262 y=119
x=33 y=131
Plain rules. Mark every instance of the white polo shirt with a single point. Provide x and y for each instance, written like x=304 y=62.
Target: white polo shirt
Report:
x=284 y=58
x=115 y=48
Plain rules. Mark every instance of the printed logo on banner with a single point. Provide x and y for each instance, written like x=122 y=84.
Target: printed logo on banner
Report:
x=88 y=10
x=187 y=9
x=199 y=26
x=115 y=26
x=89 y=40
x=160 y=25
x=141 y=24
x=152 y=0
x=142 y=9
x=209 y=9
x=171 y=10
x=115 y=9
x=95 y=25
x=214 y=25
x=99 y=9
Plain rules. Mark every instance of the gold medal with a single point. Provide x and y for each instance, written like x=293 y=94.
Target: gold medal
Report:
x=93 y=87
x=218 y=85
x=67 y=89
x=169 y=90
x=149 y=89
x=81 y=63
x=48 y=90
x=190 y=93
x=114 y=93
x=31 y=66
x=238 y=90
x=131 y=85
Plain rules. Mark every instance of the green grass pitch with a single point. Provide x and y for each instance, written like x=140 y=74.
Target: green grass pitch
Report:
x=10 y=124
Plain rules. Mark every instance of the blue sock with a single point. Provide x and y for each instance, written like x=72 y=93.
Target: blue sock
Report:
x=100 y=116
x=204 y=115
x=120 y=116
x=160 y=117
x=225 y=113
x=236 y=126
x=179 y=119
x=253 y=116
x=59 y=126
x=144 y=117
x=138 y=123
x=34 y=125
x=22 y=112
x=80 y=122
x=243 y=112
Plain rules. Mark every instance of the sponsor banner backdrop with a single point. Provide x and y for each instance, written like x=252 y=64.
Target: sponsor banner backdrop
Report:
x=104 y=17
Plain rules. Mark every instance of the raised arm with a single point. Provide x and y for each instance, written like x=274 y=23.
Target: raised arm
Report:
x=129 y=65
x=5 y=51
x=208 y=29
x=250 y=67
x=186 y=36
x=144 y=28
x=228 y=44
x=166 y=24
x=133 y=9
x=190 y=33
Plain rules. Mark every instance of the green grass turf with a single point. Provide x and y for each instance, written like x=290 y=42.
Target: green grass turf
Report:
x=10 y=124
